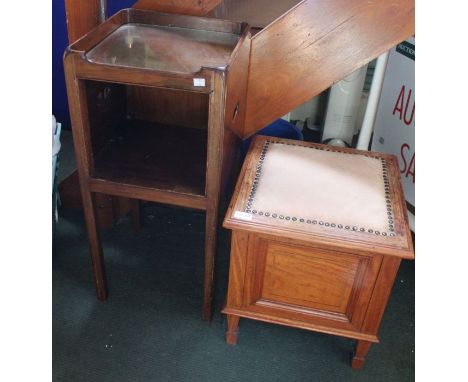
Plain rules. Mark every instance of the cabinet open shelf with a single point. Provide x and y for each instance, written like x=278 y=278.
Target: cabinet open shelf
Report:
x=152 y=155
x=148 y=143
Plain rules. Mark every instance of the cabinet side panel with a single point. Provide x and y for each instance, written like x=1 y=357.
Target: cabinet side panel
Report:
x=381 y=294
x=239 y=248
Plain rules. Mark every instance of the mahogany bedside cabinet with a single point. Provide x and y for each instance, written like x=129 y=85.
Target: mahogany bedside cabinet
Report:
x=154 y=102
x=318 y=234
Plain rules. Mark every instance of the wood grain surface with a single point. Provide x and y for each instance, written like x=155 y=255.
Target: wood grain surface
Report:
x=321 y=281
x=82 y=16
x=314 y=45
x=76 y=91
x=257 y=13
x=236 y=85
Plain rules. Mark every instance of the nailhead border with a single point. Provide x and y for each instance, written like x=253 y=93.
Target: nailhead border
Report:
x=274 y=215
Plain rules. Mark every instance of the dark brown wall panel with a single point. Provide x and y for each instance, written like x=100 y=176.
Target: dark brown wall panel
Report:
x=82 y=16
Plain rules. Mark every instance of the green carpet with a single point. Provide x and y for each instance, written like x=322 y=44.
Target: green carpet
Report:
x=150 y=327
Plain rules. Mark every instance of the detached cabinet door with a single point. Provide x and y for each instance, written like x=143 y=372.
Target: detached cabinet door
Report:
x=309 y=285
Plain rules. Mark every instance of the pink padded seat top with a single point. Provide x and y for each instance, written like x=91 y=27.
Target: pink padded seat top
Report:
x=317 y=189
x=302 y=185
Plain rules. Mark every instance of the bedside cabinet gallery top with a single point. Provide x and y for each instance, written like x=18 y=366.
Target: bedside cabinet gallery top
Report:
x=162 y=42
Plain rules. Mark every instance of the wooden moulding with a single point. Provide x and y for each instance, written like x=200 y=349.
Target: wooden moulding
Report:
x=314 y=45
x=141 y=77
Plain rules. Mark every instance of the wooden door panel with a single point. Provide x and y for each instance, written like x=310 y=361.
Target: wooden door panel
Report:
x=307 y=282
x=322 y=281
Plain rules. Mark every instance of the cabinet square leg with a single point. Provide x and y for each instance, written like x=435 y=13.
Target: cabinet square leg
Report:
x=359 y=357
x=232 y=329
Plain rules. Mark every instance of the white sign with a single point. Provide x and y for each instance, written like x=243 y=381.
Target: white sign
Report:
x=394 y=123
x=198 y=82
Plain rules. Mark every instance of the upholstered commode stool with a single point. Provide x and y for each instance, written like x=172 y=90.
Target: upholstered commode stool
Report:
x=318 y=236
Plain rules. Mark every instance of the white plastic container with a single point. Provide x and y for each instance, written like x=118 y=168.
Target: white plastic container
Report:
x=343 y=105
x=56 y=129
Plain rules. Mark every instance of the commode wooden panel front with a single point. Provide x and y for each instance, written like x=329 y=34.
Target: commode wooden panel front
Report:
x=316 y=281
x=308 y=282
